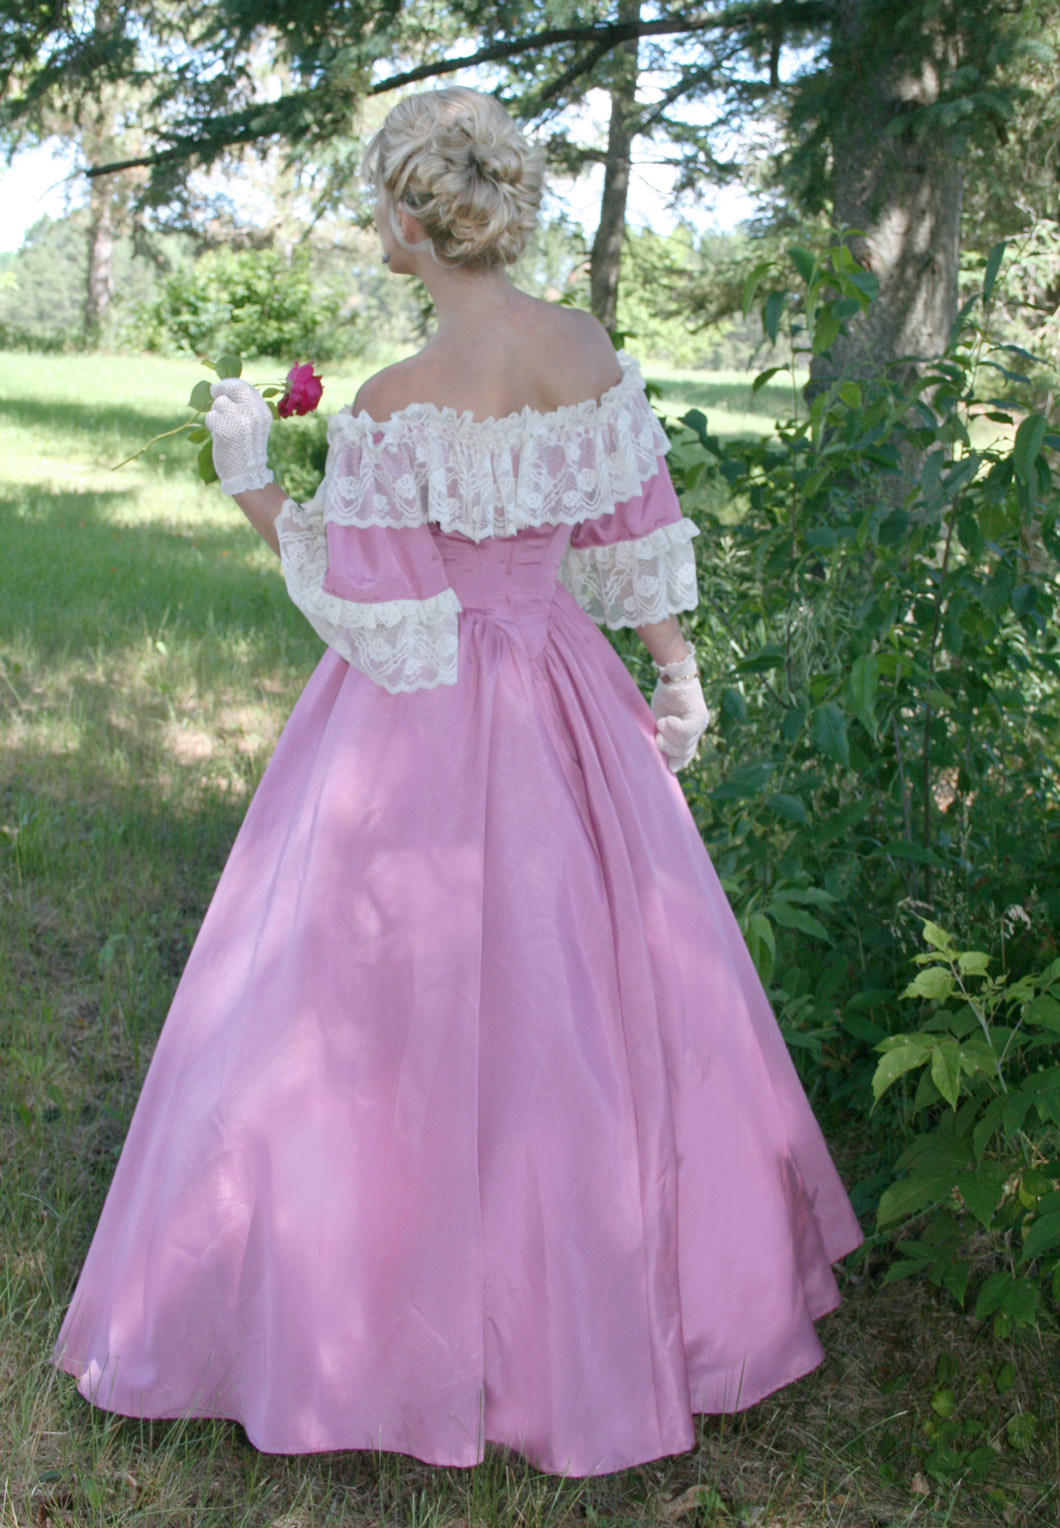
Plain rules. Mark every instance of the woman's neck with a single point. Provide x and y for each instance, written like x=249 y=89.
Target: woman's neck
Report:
x=464 y=298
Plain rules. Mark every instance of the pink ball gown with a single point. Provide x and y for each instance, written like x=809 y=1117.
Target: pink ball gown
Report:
x=470 y=1120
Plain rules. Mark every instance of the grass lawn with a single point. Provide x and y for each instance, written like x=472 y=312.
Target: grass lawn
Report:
x=148 y=658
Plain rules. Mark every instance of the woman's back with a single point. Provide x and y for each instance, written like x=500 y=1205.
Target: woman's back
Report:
x=506 y=353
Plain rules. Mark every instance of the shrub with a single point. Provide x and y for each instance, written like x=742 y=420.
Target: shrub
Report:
x=252 y=302
x=982 y=1167
x=878 y=640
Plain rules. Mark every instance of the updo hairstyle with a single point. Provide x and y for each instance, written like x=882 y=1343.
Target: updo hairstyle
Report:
x=463 y=169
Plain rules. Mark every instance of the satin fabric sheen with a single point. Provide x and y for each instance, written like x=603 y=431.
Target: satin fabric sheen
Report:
x=470 y=1120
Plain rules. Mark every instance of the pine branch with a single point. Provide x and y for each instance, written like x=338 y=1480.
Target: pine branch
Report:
x=263 y=120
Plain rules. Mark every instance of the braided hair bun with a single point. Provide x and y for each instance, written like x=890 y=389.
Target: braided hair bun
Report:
x=464 y=170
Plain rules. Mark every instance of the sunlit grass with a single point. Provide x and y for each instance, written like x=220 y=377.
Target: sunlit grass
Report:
x=148 y=658
x=727 y=398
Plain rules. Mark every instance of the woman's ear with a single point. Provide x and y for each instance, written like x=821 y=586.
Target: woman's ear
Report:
x=412 y=230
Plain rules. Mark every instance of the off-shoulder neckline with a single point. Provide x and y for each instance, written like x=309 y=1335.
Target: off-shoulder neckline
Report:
x=586 y=408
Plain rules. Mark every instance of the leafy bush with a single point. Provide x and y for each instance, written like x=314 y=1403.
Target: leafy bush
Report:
x=252 y=302
x=878 y=639
x=985 y=1156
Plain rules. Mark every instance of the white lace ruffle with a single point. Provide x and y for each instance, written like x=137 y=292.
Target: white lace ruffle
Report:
x=632 y=583
x=401 y=644
x=247 y=481
x=494 y=477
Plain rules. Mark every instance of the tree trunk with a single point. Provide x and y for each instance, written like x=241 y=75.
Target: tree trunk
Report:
x=99 y=287
x=607 y=245
x=900 y=185
x=96 y=140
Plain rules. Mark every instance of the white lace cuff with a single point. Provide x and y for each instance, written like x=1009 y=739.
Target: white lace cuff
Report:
x=402 y=645
x=633 y=583
x=246 y=481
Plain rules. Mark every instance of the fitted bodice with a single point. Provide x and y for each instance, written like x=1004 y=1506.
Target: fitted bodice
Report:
x=510 y=579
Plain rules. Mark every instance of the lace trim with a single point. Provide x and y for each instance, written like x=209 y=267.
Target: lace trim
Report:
x=400 y=644
x=247 y=481
x=632 y=583
x=493 y=477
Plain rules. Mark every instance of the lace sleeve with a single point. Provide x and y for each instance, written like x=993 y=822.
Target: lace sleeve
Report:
x=636 y=582
x=636 y=565
x=377 y=596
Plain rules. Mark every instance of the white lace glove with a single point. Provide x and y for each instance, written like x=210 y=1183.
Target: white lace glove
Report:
x=680 y=711
x=239 y=422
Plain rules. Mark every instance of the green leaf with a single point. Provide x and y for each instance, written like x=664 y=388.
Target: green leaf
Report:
x=200 y=399
x=893 y=528
x=761 y=944
x=986 y=1126
x=770 y=656
x=795 y=917
x=829 y=733
x=991 y=1294
x=825 y=332
x=993 y=265
x=1043 y=1236
x=934 y=983
x=772 y=313
x=866 y=283
x=1044 y=1012
x=750 y=286
x=946 y=1069
x=1005 y=1377
x=790 y=808
x=895 y=1063
x=733 y=705
x=861 y=687
x=229 y=365
x=803 y=262
x=902 y=1269
x=765 y=376
x=970 y=534
x=1022 y=1429
x=973 y=963
x=840 y=823
x=207 y=470
x=198 y=436
x=937 y=938
x=1029 y=438
x=1021 y=1302
x=907 y=1197
x=982 y=1191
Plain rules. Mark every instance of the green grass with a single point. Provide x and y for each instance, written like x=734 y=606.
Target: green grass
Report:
x=148 y=658
x=727 y=398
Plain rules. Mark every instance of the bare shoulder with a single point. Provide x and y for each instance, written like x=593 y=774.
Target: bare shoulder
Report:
x=589 y=356
x=390 y=390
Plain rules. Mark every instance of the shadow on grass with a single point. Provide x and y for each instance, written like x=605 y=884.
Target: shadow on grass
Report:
x=100 y=424
x=75 y=580
x=110 y=432
x=771 y=402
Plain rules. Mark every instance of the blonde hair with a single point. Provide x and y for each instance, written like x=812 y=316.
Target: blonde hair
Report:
x=463 y=169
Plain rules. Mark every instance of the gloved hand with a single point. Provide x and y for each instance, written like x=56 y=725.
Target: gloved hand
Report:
x=680 y=711
x=239 y=422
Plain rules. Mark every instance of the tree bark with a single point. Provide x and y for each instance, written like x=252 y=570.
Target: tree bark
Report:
x=900 y=186
x=607 y=246
x=99 y=285
x=97 y=141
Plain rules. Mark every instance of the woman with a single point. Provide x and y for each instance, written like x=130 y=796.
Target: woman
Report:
x=470 y=1120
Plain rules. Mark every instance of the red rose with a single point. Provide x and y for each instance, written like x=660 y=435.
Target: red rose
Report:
x=304 y=389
